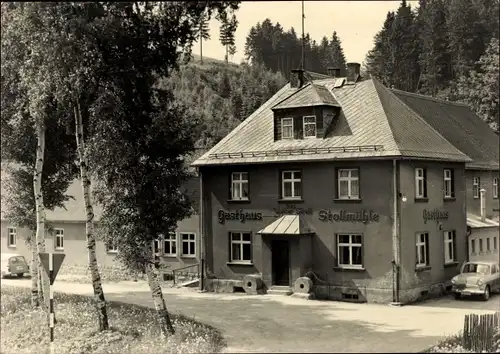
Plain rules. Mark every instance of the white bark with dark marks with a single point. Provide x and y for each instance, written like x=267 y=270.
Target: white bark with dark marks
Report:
x=37 y=187
x=100 y=300
x=158 y=300
x=34 y=271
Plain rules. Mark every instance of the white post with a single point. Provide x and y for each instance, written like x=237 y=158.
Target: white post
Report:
x=482 y=202
x=51 y=301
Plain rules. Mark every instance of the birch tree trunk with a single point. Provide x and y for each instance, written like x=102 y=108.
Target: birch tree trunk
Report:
x=158 y=300
x=40 y=209
x=89 y=223
x=34 y=271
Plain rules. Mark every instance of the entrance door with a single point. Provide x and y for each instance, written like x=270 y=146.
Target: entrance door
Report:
x=280 y=262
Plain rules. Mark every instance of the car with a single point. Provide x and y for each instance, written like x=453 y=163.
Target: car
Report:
x=14 y=265
x=477 y=278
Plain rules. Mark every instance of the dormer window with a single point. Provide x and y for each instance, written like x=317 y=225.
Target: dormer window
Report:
x=287 y=128
x=309 y=126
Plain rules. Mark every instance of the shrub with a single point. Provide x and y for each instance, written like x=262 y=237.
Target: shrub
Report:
x=134 y=328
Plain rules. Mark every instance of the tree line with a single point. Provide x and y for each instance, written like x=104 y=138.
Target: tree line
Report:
x=445 y=49
x=281 y=51
x=81 y=97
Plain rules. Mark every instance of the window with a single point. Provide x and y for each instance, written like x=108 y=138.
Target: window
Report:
x=170 y=244
x=449 y=191
x=157 y=246
x=287 y=128
x=239 y=186
x=241 y=247
x=291 y=185
x=112 y=246
x=59 y=241
x=449 y=247
x=420 y=183
x=475 y=187
x=309 y=127
x=348 y=183
x=488 y=248
x=495 y=243
x=473 y=246
x=188 y=244
x=349 y=251
x=11 y=237
x=422 y=250
x=495 y=187
x=480 y=245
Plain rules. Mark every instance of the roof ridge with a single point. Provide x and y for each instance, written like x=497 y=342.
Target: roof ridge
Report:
x=416 y=115
x=419 y=95
x=245 y=122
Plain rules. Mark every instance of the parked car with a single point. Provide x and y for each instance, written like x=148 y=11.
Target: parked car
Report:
x=14 y=264
x=477 y=278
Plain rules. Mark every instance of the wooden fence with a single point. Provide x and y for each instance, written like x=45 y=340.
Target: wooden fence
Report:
x=480 y=331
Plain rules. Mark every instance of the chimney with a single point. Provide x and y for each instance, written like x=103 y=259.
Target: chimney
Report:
x=353 y=70
x=297 y=78
x=482 y=202
x=334 y=72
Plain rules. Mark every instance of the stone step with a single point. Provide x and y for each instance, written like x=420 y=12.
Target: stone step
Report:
x=280 y=290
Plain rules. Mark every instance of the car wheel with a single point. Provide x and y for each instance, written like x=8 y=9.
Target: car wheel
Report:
x=457 y=296
x=20 y=275
x=486 y=295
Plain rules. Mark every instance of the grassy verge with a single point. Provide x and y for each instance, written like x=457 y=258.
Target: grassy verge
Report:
x=453 y=344
x=134 y=328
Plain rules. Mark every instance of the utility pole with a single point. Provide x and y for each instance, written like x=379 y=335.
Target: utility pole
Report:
x=302 y=62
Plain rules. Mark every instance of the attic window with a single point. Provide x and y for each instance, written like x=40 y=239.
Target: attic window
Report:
x=309 y=127
x=287 y=128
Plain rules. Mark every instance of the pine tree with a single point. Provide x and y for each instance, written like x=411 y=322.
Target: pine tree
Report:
x=336 y=54
x=226 y=36
x=204 y=33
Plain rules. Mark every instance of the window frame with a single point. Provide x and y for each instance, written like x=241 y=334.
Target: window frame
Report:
x=495 y=188
x=481 y=249
x=495 y=243
x=309 y=123
x=58 y=236
x=190 y=243
x=350 y=245
x=488 y=244
x=423 y=179
x=241 y=182
x=473 y=246
x=349 y=179
x=292 y=180
x=111 y=247
x=9 y=234
x=476 y=187
x=288 y=126
x=241 y=244
x=418 y=245
x=447 y=241
x=448 y=180
x=168 y=238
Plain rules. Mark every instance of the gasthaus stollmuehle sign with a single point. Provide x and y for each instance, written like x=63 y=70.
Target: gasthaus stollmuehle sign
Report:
x=363 y=216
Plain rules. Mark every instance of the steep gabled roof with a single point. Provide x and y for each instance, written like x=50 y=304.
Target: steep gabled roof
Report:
x=381 y=124
x=459 y=125
x=308 y=96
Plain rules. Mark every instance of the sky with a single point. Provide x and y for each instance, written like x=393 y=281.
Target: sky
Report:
x=356 y=23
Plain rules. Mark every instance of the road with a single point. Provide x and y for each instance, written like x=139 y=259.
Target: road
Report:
x=274 y=323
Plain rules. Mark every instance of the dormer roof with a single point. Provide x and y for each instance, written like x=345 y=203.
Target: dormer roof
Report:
x=381 y=125
x=309 y=95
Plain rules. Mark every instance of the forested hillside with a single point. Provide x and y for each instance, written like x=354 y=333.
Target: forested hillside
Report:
x=446 y=49
x=281 y=51
x=222 y=95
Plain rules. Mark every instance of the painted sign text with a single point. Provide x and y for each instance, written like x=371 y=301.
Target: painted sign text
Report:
x=240 y=215
x=363 y=216
x=435 y=214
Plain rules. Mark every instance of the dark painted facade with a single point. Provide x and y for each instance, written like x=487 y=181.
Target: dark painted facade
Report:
x=330 y=217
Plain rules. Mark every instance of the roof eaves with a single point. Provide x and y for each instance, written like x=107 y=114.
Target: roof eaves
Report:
x=417 y=116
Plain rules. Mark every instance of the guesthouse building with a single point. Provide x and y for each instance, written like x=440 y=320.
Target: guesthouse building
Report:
x=360 y=188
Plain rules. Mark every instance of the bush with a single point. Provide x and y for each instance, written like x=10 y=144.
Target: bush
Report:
x=134 y=328
x=453 y=344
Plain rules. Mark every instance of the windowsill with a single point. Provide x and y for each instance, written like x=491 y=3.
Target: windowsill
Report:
x=240 y=263
x=348 y=200
x=169 y=256
x=11 y=246
x=449 y=199
x=188 y=257
x=421 y=200
x=112 y=252
x=242 y=201
x=475 y=197
x=451 y=264
x=350 y=269
x=423 y=269
x=291 y=200
x=59 y=249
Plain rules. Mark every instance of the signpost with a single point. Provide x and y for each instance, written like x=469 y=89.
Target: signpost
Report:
x=51 y=264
